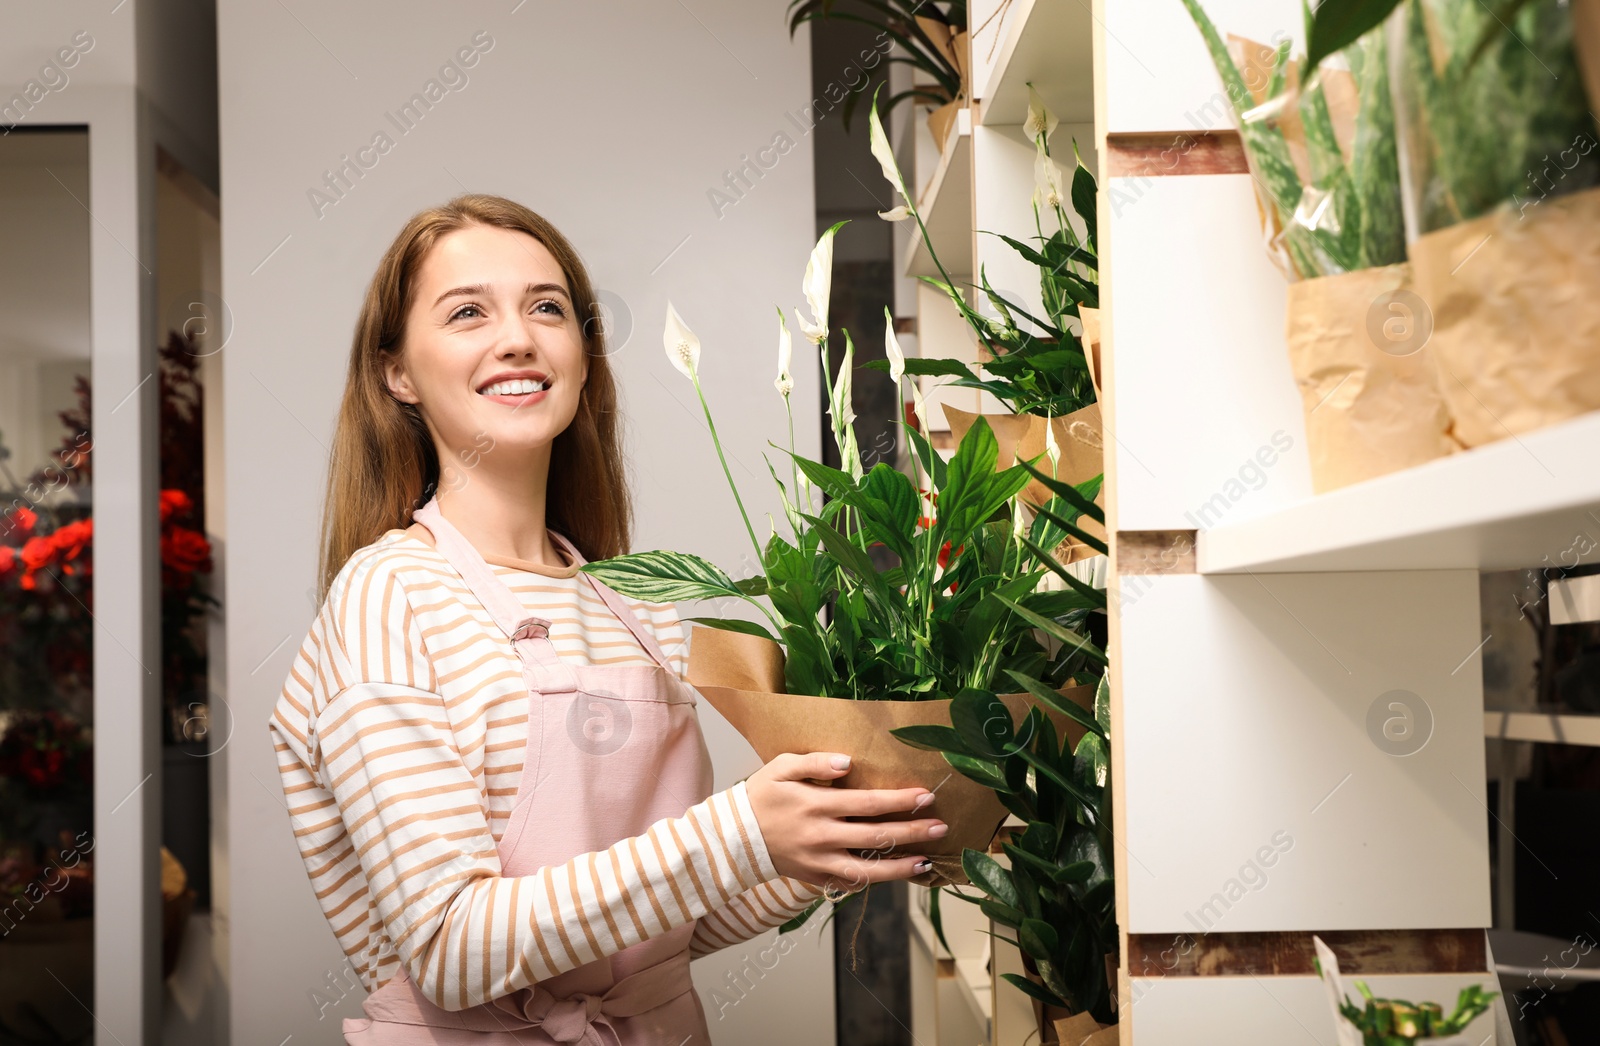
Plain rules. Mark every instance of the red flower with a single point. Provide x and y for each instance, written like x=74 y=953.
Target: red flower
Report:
x=22 y=521
x=925 y=522
x=174 y=501
x=71 y=538
x=38 y=553
x=8 y=560
x=185 y=550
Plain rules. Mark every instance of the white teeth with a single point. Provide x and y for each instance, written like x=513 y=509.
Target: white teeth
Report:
x=515 y=387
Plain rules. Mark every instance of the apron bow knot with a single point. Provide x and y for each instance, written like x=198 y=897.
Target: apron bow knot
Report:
x=577 y=1018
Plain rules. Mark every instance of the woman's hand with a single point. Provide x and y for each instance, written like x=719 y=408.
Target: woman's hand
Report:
x=805 y=828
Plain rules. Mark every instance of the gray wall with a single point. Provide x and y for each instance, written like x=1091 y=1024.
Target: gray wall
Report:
x=616 y=122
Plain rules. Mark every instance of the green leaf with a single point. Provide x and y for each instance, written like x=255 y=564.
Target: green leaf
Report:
x=983 y=721
x=1004 y=914
x=733 y=624
x=933 y=462
x=931 y=366
x=661 y=576
x=1069 y=493
x=979 y=770
x=837 y=484
x=1338 y=23
x=1038 y=991
x=931 y=738
x=987 y=875
x=1083 y=199
x=1038 y=938
x=936 y=919
x=1067 y=636
x=800 y=920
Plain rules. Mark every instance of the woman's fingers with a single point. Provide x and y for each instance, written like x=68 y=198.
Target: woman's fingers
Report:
x=879 y=835
x=854 y=873
x=872 y=802
x=819 y=766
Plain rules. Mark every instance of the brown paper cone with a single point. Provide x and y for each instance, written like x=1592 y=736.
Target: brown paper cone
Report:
x=1072 y=1031
x=939 y=121
x=742 y=676
x=1091 y=346
x=1022 y=436
x=1516 y=320
x=1368 y=411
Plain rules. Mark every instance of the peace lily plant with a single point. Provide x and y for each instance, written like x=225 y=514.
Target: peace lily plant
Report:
x=959 y=618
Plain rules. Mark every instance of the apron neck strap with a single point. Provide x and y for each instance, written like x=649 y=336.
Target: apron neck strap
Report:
x=499 y=600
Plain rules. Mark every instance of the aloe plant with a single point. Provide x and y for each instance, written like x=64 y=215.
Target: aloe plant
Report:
x=1349 y=216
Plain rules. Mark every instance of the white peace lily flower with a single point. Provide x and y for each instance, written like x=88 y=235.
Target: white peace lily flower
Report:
x=817 y=286
x=683 y=348
x=1047 y=181
x=891 y=349
x=1051 y=448
x=784 y=381
x=1040 y=120
x=884 y=152
x=897 y=365
x=896 y=214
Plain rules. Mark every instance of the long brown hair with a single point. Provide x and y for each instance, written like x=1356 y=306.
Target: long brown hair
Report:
x=383 y=464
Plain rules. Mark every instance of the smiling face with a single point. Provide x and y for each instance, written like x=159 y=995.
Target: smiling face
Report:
x=493 y=351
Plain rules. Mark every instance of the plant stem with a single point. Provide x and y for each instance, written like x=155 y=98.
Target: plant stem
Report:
x=760 y=556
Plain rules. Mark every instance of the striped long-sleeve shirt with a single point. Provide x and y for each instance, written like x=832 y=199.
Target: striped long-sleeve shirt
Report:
x=400 y=735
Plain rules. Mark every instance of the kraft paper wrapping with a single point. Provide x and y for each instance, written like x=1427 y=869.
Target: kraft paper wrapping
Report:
x=1372 y=404
x=1078 y=438
x=1090 y=318
x=1083 y=1030
x=1516 y=317
x=742 y=676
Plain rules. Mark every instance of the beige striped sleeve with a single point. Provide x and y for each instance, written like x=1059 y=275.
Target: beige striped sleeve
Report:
x=752 y=913
x=418 y=826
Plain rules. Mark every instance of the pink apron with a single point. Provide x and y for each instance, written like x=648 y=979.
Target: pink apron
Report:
x=611 y=750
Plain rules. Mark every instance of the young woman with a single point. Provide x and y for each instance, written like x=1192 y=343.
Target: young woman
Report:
x=495 y=770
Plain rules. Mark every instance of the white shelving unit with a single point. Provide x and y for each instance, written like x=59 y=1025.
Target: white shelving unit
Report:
x=1310 y=678
x=1255 y=676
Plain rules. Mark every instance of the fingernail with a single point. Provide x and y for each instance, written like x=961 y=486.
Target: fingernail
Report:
x=924 y=799
x=841 y=762
x=937 y=831
x=922 y=866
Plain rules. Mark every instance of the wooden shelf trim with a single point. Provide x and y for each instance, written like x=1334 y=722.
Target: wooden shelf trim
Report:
x=1290 y=952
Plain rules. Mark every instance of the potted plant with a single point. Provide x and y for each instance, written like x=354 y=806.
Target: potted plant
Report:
x=1321 y=146
x=1047 y=379
x=1058 y=893
x=934 y=38
x=1494 y=127
x=951 y=618
x=1397 y=1022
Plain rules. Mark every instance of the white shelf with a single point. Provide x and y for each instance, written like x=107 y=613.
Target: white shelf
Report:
x=1050 y=43
x=1528 y=501
x=946 y=208
x=1549 y=728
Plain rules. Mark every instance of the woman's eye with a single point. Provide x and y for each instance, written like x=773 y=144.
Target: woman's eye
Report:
x=463 y=309
x=554 y=305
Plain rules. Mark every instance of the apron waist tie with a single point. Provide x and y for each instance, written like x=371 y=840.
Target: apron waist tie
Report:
x=581 y=1018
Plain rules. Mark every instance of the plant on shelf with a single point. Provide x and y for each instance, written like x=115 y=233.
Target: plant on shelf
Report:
x=1331 y=213
x=932 y=35
x=1045 y=371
